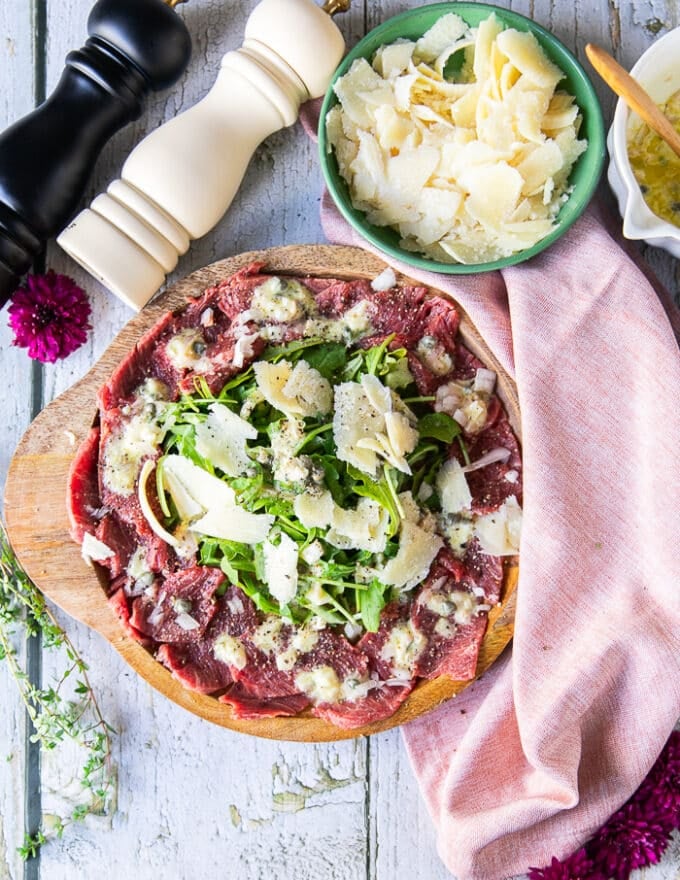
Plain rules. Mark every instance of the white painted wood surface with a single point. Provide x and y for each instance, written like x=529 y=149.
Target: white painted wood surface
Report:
x=195 y=800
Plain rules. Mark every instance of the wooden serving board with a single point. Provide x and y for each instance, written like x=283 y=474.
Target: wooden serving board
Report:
x=38 y=527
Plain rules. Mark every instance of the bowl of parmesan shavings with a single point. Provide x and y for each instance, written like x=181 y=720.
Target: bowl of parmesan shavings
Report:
x=461 y=138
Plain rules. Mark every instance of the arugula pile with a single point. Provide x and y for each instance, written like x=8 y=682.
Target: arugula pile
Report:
x=347 y=599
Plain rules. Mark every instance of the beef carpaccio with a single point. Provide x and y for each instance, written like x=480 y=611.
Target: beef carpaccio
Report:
x=302 y=491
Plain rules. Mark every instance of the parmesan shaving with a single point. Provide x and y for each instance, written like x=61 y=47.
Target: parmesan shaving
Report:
x=467 y=171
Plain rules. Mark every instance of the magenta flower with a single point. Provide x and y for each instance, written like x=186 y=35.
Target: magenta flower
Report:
x=660 y=792
x=631 y=839
x=637 y=835
x=577 y=867
x=49 y=316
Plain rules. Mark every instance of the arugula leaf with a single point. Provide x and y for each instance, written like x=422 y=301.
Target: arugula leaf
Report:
x=290 y=350
x=329 y=359
x=382 y=491
x=440 y=426
x=371 y=603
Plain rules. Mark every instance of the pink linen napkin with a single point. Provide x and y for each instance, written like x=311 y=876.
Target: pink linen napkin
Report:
x=534 y=757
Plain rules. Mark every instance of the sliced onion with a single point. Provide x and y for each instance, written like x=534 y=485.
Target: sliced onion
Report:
x=386 y=280
x=186 y=621
x=156 y=615
x=491 y=457
x=460 y=417
x=150 y=516
x=485 y=380
x=95 y=550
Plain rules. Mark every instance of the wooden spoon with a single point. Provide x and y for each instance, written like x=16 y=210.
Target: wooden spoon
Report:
x=621 y=82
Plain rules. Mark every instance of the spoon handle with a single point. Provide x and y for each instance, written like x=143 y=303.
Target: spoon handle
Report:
x=621 y=82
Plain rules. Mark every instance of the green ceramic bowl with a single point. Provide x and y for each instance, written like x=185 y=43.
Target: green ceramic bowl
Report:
x=585 y=174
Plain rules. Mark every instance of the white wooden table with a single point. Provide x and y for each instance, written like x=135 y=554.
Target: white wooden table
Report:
x=195 y=800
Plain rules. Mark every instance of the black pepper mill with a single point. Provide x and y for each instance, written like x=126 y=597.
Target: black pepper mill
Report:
x=134 y=46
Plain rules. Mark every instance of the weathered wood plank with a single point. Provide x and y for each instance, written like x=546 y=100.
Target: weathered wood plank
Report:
x=17 y=64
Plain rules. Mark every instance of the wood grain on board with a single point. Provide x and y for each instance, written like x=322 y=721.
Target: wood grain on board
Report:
x=39 y=529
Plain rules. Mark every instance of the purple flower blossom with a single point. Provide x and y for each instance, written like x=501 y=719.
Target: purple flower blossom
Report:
x=577 y=867
x=631 y=839
x=637 y=835
x=49 y=316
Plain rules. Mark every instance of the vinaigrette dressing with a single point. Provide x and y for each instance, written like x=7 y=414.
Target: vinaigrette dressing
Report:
x=656 y=167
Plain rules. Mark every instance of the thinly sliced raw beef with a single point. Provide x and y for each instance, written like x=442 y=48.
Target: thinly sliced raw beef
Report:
x=133 y=369
x=489 y=485
x=382 y=702
x=83 y=499
x=442 y=323
x=233 y=295
x=186 y=595
x=335 y=298
x=247 y=706
x=335 y=651
x=483 y=571
x=372 y=644
x=196 y=666
x=120 y=604
x=120 y=537
x=454 y=655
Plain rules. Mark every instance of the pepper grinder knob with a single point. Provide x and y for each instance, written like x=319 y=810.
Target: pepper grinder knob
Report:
x=179 y=181
x=134 y=46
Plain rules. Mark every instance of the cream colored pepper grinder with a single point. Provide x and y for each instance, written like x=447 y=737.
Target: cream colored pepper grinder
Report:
x=179 y=181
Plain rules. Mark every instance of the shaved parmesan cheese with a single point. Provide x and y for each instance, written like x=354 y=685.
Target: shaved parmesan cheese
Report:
x=498 y=532
x=454 y=492
x=219 y=516
x=193 y=489
x=310 y=389
x=361 y=529
x=94 y=550
x=221 y=439
x=417 y=550
x=280 y=568
x=525 y=54
x=402 y=436
x=314 y=511
x=355 y=418
x=379 y=395
x=233 y=523
x=298 y=390
x=449 y=165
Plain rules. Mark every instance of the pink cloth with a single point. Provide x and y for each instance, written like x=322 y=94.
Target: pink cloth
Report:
x=529 y=761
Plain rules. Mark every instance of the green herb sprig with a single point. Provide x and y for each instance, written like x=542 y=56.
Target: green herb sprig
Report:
x=56 y=717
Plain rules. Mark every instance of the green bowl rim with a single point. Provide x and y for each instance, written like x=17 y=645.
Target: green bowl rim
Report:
x=592 y=113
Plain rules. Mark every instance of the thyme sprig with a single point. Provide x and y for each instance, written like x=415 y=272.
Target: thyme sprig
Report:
x=60 y=712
